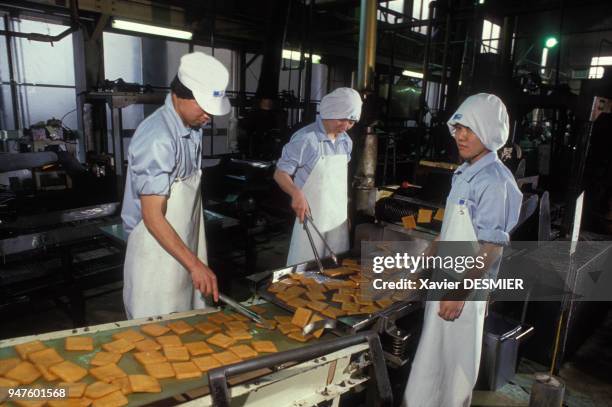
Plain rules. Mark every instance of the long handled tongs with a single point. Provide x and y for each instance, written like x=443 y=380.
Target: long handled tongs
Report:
x=307 y=220
x=252 y=315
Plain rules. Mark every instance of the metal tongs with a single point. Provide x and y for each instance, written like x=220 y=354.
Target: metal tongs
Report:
x=252 y=315
x=308 y=219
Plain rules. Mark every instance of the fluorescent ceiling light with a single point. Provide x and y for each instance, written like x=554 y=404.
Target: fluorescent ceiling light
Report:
x=151 y=29
x=295 y=56
x=413 y=74
x=544 y=57
x=544 y=60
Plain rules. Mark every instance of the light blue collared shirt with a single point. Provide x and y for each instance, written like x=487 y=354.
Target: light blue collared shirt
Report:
x=301 y=153
x=161 y=150
x=492 y=196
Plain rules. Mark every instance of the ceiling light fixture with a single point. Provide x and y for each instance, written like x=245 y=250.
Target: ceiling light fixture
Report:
x=413 y=74
x=151 y=29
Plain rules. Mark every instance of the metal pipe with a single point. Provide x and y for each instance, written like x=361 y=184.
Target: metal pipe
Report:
x=442 y=100
x=476 y=31
x=558 y=62
x=74 y=26
x=391 y=76
x=308 y=115
x=423 y=101
x=13 y=83
x=365 y=176
x=367 y=45
x=39 y=37
x=300 y=68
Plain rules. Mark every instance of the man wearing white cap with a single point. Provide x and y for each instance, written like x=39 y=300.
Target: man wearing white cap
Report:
x=165 y=266
x=313 y=170
x=482 y=207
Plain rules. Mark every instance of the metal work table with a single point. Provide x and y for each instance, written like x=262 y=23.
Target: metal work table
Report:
x=213 y=220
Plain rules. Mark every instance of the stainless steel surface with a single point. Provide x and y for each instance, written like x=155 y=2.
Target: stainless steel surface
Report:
x=213 y=219
x=365 y=176
x=43 y=240
x=321 y=324
x=59 y=217
x=345 y=324
x=21 y=161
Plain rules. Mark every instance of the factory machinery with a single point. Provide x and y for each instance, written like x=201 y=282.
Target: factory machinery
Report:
x=344 y=356
x=59 y=254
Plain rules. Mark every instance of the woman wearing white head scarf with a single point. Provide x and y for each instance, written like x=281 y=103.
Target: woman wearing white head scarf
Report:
x=482 y=207
x=313 y=170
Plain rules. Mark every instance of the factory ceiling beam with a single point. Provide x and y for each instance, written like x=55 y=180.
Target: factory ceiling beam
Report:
x=74 y=26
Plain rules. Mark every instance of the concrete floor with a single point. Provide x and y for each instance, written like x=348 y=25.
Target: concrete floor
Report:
x=583 y=389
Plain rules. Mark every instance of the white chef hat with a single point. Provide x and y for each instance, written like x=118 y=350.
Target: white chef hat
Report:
x=342 y=103
x=486 y=115
x=206 y=77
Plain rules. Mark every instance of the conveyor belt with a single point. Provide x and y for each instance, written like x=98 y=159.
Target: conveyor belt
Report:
x=170 y=387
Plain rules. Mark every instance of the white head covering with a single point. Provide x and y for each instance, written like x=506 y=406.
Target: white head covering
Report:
x=485 y=114
x=342 y=103
x=206 y=77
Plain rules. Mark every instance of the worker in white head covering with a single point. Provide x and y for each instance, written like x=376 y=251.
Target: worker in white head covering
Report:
x=481 y=209
x=485 y=114
x=313 y=170
x=165 y=266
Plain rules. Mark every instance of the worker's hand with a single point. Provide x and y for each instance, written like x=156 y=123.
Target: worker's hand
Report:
x=450 y=310
x=299 y=205
x=204 y=280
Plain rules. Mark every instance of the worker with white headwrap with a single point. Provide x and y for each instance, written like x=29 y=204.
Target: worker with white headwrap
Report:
x=313 y=170
x=166 y=268
x=482 y=207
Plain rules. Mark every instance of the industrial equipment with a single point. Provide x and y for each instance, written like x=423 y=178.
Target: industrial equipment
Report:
x=326 y=369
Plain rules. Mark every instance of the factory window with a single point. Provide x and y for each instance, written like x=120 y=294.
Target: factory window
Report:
x=221 y=126
x=155 y=61
x=420 y=11
x=44 y=73
x=123 y=60
x=490 y=37
x=392 y=13
x=596 y=71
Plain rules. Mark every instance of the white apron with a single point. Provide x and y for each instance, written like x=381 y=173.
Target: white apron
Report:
x=445 y=367
x=154 y=283
x=326 y=192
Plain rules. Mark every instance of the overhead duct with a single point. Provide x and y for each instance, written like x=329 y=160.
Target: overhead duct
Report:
x=267 y=88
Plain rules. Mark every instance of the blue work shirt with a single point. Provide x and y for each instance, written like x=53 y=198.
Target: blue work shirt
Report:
x=492 y=197
x=161 y=150
x=301 y=153
x=493 y=200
